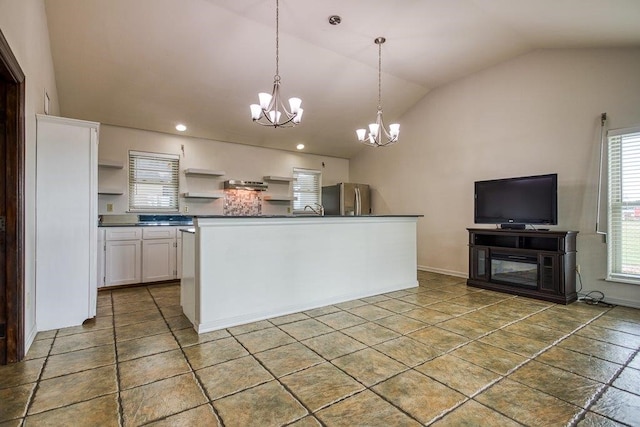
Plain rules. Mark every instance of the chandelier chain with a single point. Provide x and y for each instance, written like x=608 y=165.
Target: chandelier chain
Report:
x=277 y=38
x=379 y=76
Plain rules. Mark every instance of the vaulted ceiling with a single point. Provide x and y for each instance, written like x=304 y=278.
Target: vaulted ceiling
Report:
x=151 y=64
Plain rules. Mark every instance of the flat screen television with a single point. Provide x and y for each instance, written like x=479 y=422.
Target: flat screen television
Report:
x=515 y=202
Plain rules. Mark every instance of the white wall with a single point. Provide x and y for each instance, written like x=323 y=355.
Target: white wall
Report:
x=238 y=161
x=24 y=25
x=535 y=114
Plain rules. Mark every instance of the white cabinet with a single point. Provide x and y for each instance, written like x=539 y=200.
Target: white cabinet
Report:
x=100 y=255
x=158 y=254
x=123 y=256
x=141 y=255
x=178 y=254
x=66 y=221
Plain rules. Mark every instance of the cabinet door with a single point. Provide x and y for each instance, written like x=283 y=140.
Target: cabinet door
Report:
x=179 y=258
x=479 y=263
x=100 y=255
x=548 y=271
x=158 y=260
x=122 y=262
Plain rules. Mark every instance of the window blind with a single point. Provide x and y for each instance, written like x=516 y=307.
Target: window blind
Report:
x=624 y=206
x=153 y=181
x=306 y=188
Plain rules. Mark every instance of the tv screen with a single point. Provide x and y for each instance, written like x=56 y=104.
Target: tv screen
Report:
x=521 y=200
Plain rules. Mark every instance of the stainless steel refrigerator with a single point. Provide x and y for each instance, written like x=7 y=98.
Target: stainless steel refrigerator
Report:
x=346 y=198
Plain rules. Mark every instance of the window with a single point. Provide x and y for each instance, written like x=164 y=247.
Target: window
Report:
x=306 y=188
x=624 y=206
x=153 y=182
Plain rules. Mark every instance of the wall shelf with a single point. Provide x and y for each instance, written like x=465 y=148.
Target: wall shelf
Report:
x=112 y=164
x=277 y=198
x=203 y=195
x=203 y=172
x=273 y=178
x=110 y=192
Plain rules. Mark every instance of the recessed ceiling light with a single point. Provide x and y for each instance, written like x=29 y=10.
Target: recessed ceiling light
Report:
x=181 y=128
x=300 y=146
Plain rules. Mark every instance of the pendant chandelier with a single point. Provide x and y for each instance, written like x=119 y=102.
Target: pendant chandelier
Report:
x=378 y=134
x=271 y=111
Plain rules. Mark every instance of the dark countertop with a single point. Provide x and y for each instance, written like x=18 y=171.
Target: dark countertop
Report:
x=178 y=220
x=309 y=216
x=144 y=220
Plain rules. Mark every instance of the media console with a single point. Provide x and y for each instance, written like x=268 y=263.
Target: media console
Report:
x=536 y=264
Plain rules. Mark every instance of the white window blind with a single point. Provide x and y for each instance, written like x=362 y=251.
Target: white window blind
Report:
x=153 y=181
x=306 y=188
x=624 y=206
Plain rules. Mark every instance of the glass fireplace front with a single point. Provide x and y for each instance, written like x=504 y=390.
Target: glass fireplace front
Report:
x=517 y=270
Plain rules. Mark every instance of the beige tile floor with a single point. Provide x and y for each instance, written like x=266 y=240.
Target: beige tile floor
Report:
x=441 y=354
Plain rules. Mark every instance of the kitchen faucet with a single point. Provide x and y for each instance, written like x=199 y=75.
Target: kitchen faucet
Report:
x=319 y=211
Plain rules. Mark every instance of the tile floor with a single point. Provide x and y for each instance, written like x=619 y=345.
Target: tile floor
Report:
x=441 y=354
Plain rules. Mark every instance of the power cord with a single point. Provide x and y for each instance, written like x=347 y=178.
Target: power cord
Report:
x=589 y=297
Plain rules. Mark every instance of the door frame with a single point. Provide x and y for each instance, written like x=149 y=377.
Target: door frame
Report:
x=14 y=79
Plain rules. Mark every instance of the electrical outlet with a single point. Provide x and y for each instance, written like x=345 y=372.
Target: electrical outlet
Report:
x=289 y=210
x=578 y=268
x=109 y=207
x=186 y=209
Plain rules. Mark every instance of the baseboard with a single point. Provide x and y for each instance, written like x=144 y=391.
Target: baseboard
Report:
x=29 y=338
x=443 y=271
x=622 y=302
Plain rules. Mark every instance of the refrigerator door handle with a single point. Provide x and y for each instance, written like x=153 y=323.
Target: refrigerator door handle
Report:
x=358 y=202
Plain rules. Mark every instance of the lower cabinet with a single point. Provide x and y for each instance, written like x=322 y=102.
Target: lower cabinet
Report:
x=139 y=255
x=158 y=260
x=123 y=262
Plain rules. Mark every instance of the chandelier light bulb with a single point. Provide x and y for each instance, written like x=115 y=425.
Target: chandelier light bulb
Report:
x=362 y=133
x=265 y=100
x=256 y=111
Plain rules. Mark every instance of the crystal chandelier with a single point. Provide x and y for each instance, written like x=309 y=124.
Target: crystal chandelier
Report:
x=271 y=111
x=378 y=135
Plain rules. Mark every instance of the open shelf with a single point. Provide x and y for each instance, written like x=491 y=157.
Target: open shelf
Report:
x=273 y=178
x=110 y=192
x=112 y=164
x=203 y=172
x=277 y=198
x=203 y=195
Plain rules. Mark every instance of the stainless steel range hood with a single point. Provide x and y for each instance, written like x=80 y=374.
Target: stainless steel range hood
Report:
x=237 y=184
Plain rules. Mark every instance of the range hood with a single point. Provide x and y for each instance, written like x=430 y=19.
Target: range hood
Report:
x=237 y=184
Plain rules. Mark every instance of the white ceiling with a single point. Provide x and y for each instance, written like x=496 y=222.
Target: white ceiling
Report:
x=151 y=64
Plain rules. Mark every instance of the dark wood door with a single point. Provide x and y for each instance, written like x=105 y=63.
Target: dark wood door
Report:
x=12 y=84
x=3 y=221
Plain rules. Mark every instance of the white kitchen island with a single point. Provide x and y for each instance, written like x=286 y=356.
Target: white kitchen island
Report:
x=238 y=270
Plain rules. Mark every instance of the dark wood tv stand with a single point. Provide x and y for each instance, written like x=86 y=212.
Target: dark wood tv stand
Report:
x=531 y=263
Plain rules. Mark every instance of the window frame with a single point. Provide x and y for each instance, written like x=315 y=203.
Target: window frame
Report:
x=299 y=202
x=174 y=184
x=616 y=141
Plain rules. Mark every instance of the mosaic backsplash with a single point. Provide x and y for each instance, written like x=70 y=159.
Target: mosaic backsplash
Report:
x=242 y=203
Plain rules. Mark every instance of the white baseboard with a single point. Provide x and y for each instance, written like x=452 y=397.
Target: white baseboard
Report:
x=622 y=302
x=443 y=271
x=29 y=338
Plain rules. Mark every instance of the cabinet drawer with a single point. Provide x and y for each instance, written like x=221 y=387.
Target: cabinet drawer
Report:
x=123 y=233
x=158 y=233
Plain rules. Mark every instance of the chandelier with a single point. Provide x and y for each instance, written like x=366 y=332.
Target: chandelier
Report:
x=271 y=111
x=378 y=135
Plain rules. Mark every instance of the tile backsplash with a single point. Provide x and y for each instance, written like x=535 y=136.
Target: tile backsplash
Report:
x=242 y=203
